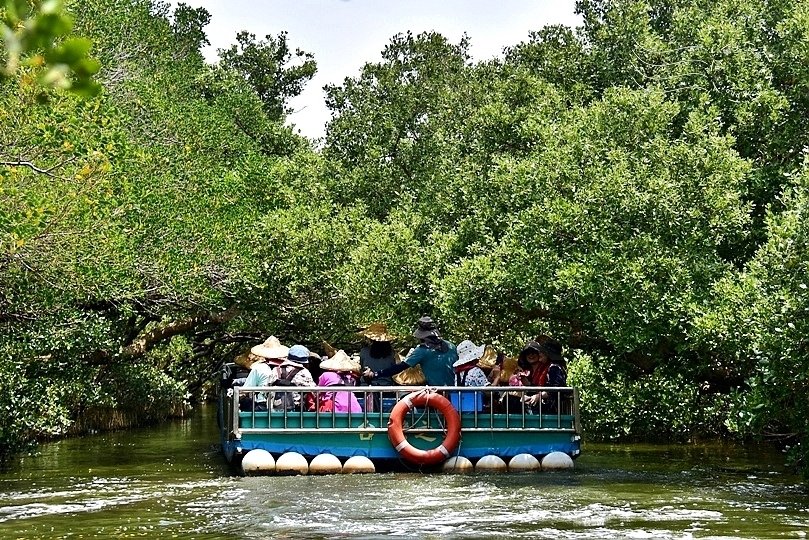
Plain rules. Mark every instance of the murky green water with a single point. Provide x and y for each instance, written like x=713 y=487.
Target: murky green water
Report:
x=170 y=482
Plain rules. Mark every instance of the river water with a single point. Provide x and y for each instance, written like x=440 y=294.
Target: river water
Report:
x=171 y=482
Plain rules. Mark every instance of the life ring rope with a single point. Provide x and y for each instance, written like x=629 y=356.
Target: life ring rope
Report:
x=410 y=406
x=427 y=398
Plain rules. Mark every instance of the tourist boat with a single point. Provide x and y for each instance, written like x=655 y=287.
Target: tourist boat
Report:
x=411 y=428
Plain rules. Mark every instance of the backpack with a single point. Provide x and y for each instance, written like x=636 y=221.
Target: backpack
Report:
x=285 y=400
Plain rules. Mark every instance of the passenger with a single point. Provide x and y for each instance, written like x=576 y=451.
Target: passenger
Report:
x=293 y=372
x=503 y=369
x=545 y=368
x=339 y=370
x=378 y=354
x=468 y=373
x=503 y=374
x=433 y=354
x=265 y=358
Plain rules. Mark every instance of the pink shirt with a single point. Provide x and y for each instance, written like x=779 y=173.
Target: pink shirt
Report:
x=343 y=401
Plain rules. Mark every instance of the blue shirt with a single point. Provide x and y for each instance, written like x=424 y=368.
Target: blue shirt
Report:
x=436 y=365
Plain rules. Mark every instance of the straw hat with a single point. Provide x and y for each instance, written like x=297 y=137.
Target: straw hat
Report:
x=328 y=348
x=377 y=332
x=247 y=359
x=412 y=376
x=468 y=352
x=509 y=367
x=489 y=358
x=340 y=362
x=271 y=349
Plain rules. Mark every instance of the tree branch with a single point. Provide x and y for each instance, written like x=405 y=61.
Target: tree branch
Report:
x=20 y=163
x=162 y=333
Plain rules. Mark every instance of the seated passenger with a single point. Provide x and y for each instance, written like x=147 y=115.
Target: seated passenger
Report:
x=506 y=372
x=378 y=354
x=527 y=372
x=547 y=369
x=339 y=370
x=264 y=360
x=293 y=372
x=468 y=373
x=434 y=354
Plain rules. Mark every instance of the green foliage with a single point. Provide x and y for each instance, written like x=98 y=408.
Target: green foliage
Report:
x=596 y=185
x=636 y=187
x=188 y=28
x=611 y=224
x=34 y=37
x=390 y=125
x=127 y=219
x=273 y=71
x=659 y=406
x=45 y=396
x=775 y=291
x=747 y=59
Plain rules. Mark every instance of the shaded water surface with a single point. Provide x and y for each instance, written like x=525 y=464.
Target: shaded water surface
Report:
x=170 y=481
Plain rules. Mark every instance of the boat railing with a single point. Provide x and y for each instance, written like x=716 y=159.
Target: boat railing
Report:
x=482 y=409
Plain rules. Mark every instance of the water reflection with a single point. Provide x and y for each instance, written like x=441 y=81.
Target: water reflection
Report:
x=171 y=481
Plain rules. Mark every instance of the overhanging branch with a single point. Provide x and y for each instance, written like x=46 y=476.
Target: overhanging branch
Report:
x=149 y=340
x=33 y=167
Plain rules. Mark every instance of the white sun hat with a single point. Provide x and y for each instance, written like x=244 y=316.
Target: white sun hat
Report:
x=468 y=352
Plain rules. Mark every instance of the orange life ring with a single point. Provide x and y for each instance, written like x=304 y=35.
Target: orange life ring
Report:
x=400 y=442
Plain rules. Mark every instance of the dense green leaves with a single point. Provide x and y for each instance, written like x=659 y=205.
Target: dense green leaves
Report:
x=271 y=68
x=34 y=36
x=128 y=219
x=636 y=187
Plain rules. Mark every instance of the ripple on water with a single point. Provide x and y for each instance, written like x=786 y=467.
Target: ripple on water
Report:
x=168 y=483
x=453 y=506
x=99 y=494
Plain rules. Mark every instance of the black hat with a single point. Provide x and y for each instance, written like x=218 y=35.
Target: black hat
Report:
x=531 y=346
x=425 y=327
x=553 y=349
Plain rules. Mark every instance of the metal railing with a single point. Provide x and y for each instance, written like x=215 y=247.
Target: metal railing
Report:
x=499 y=408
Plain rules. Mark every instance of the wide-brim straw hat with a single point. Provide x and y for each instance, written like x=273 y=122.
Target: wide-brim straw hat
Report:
x=271 y=349
x=468 y=352
x=328 y=348
x=509 y=367
x=341 y=362
x=489 y=358
x=377 y=332
x=247 y=359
